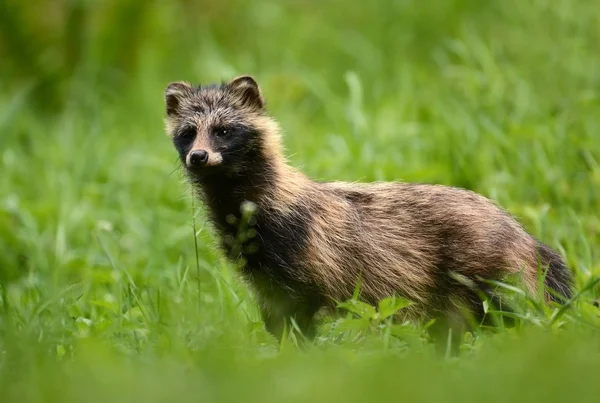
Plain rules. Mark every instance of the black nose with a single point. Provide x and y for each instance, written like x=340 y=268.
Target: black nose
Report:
x=198 y=158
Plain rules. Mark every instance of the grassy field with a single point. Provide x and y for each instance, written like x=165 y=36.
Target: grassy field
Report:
x=111 y=287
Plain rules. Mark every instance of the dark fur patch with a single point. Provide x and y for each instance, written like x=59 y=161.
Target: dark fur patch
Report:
x=283 y=237
x=183 y=140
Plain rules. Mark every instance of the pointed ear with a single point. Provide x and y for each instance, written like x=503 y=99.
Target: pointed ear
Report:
x=174 y=93
x=247 y=90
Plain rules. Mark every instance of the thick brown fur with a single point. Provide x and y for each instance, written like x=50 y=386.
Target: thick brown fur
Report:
x=311 y=242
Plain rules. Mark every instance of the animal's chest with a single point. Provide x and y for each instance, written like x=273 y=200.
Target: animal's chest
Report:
x=271 y=243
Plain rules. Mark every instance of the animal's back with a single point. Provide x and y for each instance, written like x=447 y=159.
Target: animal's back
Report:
x=408 y=239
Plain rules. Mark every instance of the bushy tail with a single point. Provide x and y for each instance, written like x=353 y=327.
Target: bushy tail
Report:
x=559 y=278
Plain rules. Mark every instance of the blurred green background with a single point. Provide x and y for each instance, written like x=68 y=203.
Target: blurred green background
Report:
x=106 y=294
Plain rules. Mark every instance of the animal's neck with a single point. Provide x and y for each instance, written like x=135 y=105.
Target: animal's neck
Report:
x=274 y=186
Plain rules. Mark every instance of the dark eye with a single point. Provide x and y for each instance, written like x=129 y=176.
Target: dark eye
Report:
x=221 y=131
x=188 y=134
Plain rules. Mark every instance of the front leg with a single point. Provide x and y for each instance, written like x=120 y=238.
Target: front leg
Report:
x=278 y=319
x=274 y=322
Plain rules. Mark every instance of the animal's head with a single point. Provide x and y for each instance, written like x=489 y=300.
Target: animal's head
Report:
x=220 y=128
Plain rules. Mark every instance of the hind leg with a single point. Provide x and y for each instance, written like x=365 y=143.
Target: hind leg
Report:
x=463 y=312
x=448 y=330
x=445 y=337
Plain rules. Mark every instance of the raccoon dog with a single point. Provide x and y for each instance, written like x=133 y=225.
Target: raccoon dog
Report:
x=309 y=243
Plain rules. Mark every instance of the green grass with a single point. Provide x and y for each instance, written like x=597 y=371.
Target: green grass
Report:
x=103 y=293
